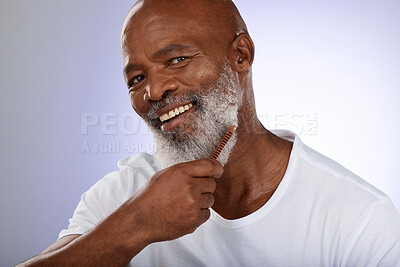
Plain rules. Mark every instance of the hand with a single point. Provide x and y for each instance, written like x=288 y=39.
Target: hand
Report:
x=177 y=200
x=173 y=203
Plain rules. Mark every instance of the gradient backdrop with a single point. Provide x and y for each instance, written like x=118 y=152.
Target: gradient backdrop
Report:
x=327 y=70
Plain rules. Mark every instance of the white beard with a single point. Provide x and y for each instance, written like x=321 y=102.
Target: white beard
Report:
x=216 y=110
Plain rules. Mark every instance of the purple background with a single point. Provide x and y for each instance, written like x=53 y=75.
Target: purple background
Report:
x=337 y=63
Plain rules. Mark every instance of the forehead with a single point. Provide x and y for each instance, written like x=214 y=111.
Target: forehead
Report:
x=144 y=33
x=159 y=28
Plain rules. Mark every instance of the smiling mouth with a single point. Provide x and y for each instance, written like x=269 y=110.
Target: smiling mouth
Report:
x=164 y=118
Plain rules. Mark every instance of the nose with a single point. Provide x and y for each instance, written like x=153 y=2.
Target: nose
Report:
x=158 y=85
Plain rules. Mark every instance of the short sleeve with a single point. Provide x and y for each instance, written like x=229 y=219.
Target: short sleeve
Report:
x=376 y=241
x=109 y=193
x=96 y=204
x=82 y=220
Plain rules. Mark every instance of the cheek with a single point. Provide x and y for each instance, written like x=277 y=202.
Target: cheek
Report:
x=202 y=72
x=137 y=102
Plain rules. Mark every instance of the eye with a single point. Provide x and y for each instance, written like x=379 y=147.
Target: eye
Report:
x=137 y=79
x=177 y=60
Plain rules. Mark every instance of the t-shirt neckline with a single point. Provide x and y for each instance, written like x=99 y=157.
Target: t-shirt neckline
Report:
x=276 y=197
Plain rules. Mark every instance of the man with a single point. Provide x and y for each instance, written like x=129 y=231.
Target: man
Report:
x=270 y=200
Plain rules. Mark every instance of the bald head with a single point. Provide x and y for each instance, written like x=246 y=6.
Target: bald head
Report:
x=194 y=55
x=172 y=47
x=214 y=19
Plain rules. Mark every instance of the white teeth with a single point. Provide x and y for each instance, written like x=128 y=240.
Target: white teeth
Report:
x=164 y=117
x=171 y=114
x=175 y=112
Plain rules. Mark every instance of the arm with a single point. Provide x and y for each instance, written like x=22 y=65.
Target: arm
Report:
x=106 y=244
x=61 y=243
x=173 y=203
x=376 y=241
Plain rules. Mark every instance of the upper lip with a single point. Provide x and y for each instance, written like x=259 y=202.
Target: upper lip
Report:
x=171 y=107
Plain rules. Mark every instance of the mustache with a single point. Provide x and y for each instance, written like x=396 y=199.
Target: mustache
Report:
x=169 y=99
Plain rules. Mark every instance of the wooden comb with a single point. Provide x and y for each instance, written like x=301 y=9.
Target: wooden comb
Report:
x=223 y=142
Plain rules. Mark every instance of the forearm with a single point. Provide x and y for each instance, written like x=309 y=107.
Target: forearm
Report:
x=114 y=242
x=172 y=204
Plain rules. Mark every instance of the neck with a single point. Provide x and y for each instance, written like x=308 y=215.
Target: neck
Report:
x=254 y=170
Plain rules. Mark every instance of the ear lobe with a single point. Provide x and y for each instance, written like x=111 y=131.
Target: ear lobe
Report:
x=243 y=49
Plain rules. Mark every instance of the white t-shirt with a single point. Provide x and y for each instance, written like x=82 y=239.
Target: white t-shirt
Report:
x=320 y=215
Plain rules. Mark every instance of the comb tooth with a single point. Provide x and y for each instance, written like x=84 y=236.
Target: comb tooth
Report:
x=223 y=142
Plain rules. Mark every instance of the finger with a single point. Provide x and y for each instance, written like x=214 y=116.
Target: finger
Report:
x=206 y=201
x=205 y=184
x=204 y=215
x=202 y=168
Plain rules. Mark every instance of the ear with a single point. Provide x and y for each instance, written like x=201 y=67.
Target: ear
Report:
x=242 y=52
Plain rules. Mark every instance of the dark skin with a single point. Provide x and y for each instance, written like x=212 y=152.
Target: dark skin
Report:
x=243 y=188
x=177 y=59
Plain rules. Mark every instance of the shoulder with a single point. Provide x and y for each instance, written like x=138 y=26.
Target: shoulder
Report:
x=141 y=162
x=112 y=190
x=331 y=193
x=133 y=172
x=322 y=182
x=361 y=217
x=326 y=175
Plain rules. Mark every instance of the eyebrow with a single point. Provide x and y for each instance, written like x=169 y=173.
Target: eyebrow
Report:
x=129 y=68
x=170 y=48
x=159 y=53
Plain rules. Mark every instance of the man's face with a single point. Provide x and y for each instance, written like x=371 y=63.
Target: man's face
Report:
x=179 y=82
